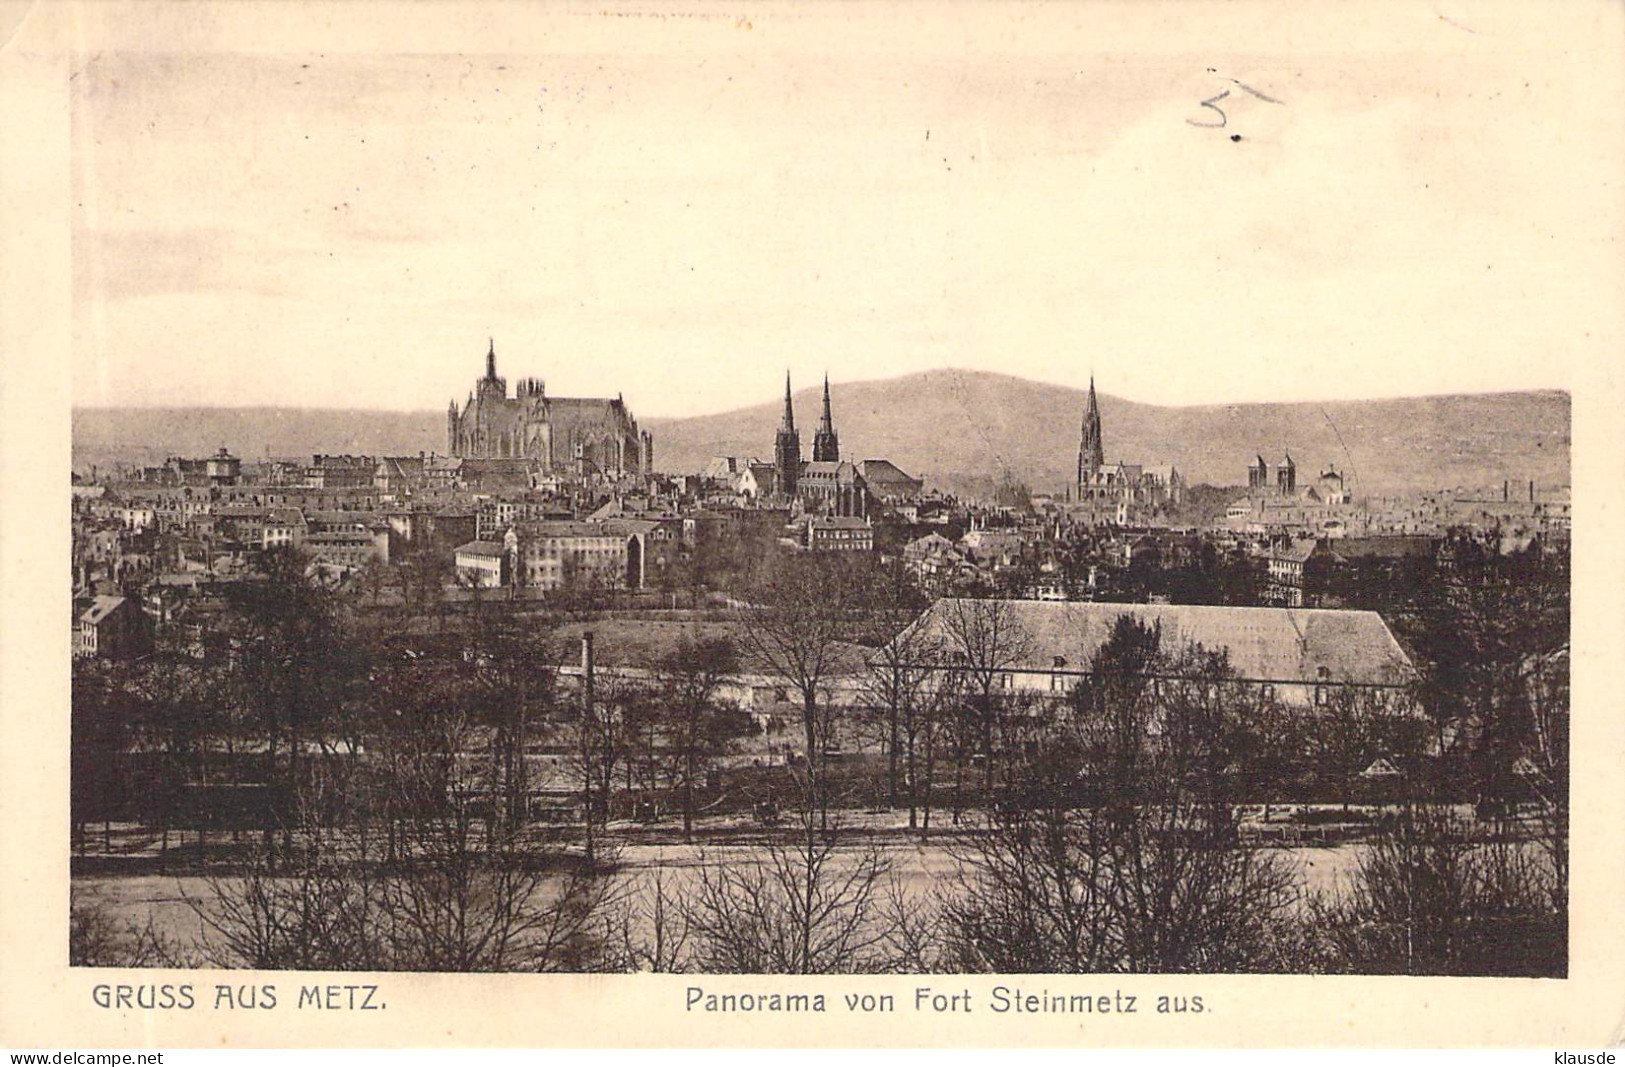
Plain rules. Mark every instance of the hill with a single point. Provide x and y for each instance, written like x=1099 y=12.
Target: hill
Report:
x=954 y=426
x=965 y=429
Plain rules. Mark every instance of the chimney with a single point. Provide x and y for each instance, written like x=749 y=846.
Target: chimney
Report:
x=586 y=671
x=1531 y=490
x=1506 y=487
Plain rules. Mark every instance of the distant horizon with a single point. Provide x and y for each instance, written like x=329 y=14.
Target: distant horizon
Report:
x=836 y=385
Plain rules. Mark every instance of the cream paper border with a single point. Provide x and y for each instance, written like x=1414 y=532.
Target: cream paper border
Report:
x=45 y=1004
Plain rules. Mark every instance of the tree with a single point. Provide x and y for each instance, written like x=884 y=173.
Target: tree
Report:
x=690 y=677
x=1431 y=896
x=1480 y=631
x=292 y=667
x=102 y=724
x=898 y=672
x=1123 y=854
x=985 y=639
x=373 y=578
x=455 y=882
x=808 y=608
x=180 y=704
x=1548 y=678
x=97 y=938
x=805 y=908
x=424 y=573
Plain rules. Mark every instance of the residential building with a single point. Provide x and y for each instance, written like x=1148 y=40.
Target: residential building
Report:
x=112 y=627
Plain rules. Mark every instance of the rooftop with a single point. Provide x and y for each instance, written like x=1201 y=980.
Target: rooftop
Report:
x=1274 y=644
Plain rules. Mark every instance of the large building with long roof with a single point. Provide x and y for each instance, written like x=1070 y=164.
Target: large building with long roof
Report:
x=570 y=436
x=1298 y=653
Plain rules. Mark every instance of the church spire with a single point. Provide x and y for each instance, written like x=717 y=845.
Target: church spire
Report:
x=491 y=361
x=1091 y=450
x=787 y=451
x=826 y=446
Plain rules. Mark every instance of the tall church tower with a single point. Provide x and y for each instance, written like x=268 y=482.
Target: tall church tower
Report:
x=1091 y=450
x=787 y=449
x=826 y=446
x=492 y=386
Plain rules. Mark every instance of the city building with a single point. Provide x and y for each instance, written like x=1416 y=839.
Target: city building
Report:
x=825 y=485
x=111 y=627
x=350 y=548
x=1123 y=487
x=1295 y=655
x=826 y=445
x=1285 y=481
x=547 y=555
x=482 y=564
x=1289 y=567
x=340 y=472
x=888 y=483
x=838 y=533
x=577 y=437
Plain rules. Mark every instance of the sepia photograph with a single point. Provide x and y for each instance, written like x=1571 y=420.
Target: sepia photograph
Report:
x=707 y=492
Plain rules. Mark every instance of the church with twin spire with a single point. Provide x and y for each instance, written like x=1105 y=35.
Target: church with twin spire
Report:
x=824 y=485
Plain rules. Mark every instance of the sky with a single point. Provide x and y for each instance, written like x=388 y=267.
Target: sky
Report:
x=1424 y=209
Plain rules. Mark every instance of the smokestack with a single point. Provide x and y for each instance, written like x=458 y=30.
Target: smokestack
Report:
x=1506 y=488
x=1531 y=490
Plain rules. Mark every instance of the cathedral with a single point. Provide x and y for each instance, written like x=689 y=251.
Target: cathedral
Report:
x=1120 y=484
x=565 y=436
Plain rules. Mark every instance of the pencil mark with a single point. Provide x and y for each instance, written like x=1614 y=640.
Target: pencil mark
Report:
x=1212 y=103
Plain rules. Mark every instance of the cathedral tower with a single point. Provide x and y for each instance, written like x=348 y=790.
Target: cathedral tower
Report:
x=826 y=446
x=787 y=449
x=1091 y=450
x=491 y=387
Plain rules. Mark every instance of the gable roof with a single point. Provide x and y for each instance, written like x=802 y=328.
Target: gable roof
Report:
x=1266 y=644
x=884 y=472
x=101 y=608
x=1297 y=552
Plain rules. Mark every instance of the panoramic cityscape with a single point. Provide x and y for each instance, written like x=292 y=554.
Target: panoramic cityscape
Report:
x=766 y=505
x=529 y=698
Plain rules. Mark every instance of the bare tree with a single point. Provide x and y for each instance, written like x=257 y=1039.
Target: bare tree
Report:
x=1123 y=853
x=1548 y=680
x=97 y=937
x=102 y=729
x=1435 y=895
x=809 y=609
x=691 y=676
x=291 y=663
x=897 y=678
x=806 y=908
x=653 y=927
x=457 y=883
x=986 y=639
x=425 y=573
